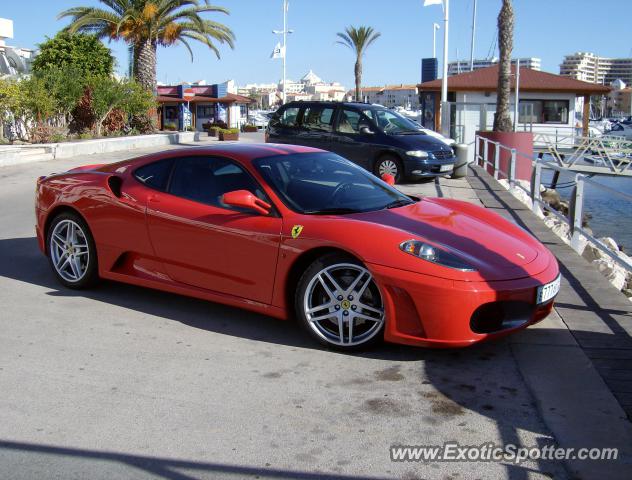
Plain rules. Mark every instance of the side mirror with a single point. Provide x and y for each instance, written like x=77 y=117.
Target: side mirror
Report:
x=245 y=199
x=366 y=130
x=388 y=178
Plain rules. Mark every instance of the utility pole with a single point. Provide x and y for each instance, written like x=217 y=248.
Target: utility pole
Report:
x=517 y=96
x=473 y=35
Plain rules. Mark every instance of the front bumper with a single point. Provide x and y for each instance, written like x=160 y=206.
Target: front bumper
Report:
x=429 y=167
x=433 y=312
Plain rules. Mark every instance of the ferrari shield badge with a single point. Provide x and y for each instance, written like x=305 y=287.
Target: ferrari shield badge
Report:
x=296 y=230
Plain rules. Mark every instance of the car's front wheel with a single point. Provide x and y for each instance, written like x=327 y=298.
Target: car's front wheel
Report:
x=339 y=304
x=71 y=251
x=390 y=165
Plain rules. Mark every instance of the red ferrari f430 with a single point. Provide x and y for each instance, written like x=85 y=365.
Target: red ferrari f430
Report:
x=297 y=232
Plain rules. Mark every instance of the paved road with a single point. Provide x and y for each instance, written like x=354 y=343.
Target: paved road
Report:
x=123 y=382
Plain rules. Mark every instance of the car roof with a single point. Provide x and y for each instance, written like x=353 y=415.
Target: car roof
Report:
x=240 y=152
x=330 y=102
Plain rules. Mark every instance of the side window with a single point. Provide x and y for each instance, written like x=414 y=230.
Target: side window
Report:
x=287 y=117
x=351 y=121
x=156 y=174
x=317 y=118
x=206 y=179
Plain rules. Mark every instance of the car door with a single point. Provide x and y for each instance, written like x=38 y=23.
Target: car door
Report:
x=316 y=126
x=207 y=244
x=283 y=126
x=349 y=141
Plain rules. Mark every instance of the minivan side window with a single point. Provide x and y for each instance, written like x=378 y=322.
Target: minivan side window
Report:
x=317 y=118
x=351 y=121
x=287 y=118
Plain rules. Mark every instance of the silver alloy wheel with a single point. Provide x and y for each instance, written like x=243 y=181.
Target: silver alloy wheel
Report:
x=69 y=251
x=343 y=305
x=388 y=166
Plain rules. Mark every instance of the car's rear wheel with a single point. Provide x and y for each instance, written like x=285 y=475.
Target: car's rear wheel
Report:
x=391 y=165
x=339 y=304
x=71 y=251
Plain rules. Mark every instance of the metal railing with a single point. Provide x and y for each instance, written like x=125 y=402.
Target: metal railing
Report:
x=576 y=207
x=615 y=153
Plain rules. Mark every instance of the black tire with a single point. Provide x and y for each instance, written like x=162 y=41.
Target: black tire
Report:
x=90 y=275
x=372 y=291
x=389 y=162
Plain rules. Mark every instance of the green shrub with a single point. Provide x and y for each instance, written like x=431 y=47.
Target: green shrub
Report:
x=228 y=131
x=85 y=136
x=58 y=137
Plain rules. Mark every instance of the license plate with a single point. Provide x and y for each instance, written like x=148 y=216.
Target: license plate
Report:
x=548 y=291
x=446 y=168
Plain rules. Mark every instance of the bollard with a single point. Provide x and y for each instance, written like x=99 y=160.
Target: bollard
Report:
x=460 y=167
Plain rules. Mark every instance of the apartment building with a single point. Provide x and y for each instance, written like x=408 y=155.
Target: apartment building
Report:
x=461 y=66
x=592 y=68
x=393 y=96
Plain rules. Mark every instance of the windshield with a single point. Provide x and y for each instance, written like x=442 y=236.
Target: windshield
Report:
x=391 y=122
x=322 y=183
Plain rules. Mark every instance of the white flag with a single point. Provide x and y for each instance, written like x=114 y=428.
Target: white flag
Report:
x=433 y=2
x=278 y=52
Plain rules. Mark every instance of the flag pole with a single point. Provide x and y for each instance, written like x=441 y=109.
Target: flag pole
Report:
x=284 y=47
x=444 y=80
x=435 y=27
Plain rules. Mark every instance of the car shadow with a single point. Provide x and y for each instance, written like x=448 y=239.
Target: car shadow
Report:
x=483 y=378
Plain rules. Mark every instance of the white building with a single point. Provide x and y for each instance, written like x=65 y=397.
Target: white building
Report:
x=462 y=66
x=393 y=96
x=13 y=60
x=547 y=103
x=592 y=68
x=309 y=87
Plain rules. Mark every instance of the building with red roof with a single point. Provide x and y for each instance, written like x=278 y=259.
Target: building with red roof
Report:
x=548 y=103
x=195 y=105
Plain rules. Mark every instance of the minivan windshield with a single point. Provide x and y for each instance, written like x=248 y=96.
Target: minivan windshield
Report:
x=324 y=183
x=391 y=123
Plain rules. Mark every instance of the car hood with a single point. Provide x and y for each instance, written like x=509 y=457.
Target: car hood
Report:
x=420 y=141
x=495 y=247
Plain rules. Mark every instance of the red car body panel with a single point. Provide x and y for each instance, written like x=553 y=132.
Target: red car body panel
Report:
x=155 y=239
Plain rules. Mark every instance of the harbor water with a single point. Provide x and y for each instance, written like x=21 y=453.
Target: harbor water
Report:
x=611 y=215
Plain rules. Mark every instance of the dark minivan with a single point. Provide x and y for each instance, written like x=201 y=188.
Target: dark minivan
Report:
x=374 y=137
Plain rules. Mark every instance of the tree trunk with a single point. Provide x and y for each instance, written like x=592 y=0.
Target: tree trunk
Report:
x=145 y=64
x=502 y=120
x=358 y=79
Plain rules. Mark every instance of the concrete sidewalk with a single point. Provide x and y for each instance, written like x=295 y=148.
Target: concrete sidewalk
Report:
x=578 y=362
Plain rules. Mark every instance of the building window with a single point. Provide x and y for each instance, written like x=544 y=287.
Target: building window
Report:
x=205 y=111
x=543 y=111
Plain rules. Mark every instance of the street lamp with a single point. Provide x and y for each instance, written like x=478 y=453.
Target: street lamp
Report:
x=435 y=27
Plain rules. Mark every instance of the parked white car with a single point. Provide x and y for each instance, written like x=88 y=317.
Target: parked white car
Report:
x=621 y=130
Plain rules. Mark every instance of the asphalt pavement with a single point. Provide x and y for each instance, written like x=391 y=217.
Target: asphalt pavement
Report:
x=125 y=382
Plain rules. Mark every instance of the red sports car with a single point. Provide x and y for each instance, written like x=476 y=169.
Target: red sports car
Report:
x=294 y=231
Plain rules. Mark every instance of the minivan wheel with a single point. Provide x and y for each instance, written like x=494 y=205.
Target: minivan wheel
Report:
x=390 y=165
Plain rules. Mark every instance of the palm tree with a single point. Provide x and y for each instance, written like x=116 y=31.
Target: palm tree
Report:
x=358 y=40
x=146 y=24
x=502 y=120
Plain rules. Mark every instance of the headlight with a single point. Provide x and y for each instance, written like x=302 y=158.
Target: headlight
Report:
x=417 y=153
x=434 y=254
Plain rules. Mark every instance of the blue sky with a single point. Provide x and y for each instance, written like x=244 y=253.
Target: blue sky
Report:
x=548 y=29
